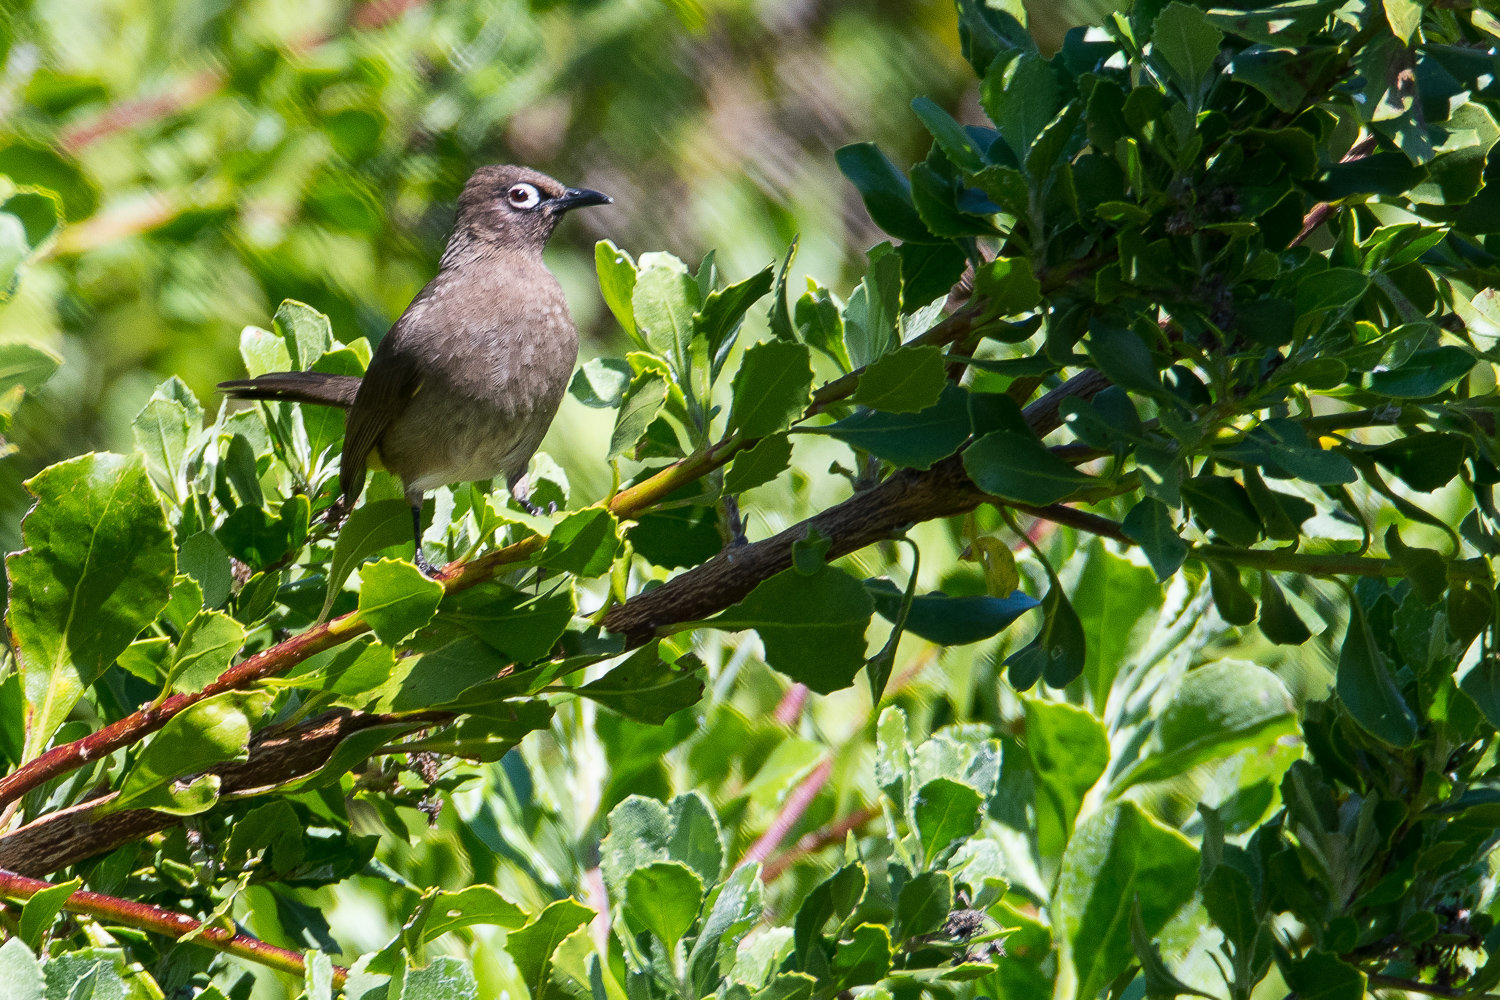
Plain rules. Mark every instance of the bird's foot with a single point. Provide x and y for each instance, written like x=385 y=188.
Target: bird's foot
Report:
x=536 y=511
x=427 y=569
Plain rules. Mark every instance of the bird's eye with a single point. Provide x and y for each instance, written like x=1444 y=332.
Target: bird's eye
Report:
x=523 y=196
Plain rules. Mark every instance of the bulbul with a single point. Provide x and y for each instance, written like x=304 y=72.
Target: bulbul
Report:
x=467 y=381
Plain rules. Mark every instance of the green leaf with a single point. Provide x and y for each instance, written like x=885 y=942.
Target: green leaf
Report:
x=1117 y=854
x=1112 y=596
x=1161 y=984
x=1009 y=285
x=770 y=457
x=523 y=627
x=1019 y=467
x=162 y=433
x=664 y=897
x=787 y=986
x=1426 y=373
x=874 y=307
x=643 y=400
x=31 y=164
x=821 y=326
x=306 y=331
x=946 y=810
x=950 y=621
x=14 y=250
x=202 y=557
x=1404 y=17
x=1223 y=506
x=26 y=365
x=640 y=832
x=1149 y=525
x=812 y=627
x=910 y=440
x=928 y=273
x=1069 y=751
x=1425 y=569
x=907 y=380
x=724 y=310
x=1231 y=599
x=1182 y=36
x=192 y=741
x=647 y=688
x=617 y=277
x=20 y=972
x=1365 y=686
x=395 y=599
x=1059 y=651
x=924 y=903
x=665 y=298
x=41 y=909
x=146 y=659
x=1220 y=709
x=864 y=959
x=1021 y=97
x=377 y=525
x=97 y=569
x=207 y=648
x=601 y=383
x=532 y=946
x=1121 y=355
x=1423 y=460
x=885 y=190
x=950 y=135
x=583 y=543
x=772 y=388
x=1230 y=901
x=780 y=319
x=1319 y=975
x=1279 y=622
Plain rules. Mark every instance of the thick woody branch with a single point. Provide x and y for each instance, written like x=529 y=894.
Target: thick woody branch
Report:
x=906 y=498
x=75 y=834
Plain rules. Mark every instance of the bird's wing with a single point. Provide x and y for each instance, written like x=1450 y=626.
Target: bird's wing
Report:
x=387 y=388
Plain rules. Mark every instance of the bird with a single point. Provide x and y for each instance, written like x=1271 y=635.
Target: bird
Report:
x=466 y=382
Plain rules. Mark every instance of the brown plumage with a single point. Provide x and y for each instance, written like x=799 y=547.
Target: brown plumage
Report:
x=467 y=381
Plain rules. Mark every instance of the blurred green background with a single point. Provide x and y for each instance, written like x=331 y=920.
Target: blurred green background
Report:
x=218 y=156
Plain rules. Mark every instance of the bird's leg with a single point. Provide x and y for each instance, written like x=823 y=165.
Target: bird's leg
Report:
x=520 y=492
x=427 y=568
x=735 y=524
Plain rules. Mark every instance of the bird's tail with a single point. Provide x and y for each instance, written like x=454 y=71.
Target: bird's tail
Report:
x=297 y=387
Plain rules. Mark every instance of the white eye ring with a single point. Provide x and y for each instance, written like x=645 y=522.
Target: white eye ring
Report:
x=523 y=196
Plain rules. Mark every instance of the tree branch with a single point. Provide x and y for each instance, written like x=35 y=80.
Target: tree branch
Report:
x=19 y=888
x=77 y=833
x=906 y=497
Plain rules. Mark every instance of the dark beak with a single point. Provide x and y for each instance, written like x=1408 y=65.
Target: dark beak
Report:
x=579 y=198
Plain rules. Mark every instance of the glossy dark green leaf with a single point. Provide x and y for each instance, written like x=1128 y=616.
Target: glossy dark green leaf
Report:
x=885 y=190
x=647 y=688
x=1423 y=460
x=1279 y=621
x=532 y=946
x=928 y=273
x=202 y=557
x=1426 y=373
x=664 y=299
x=207 y=647
x=1161 y=984
x=191 y=742
x=1019 y=467
x=1149 y=525
x=1059 y=651
x=1319 y=975
x=724 y=309
x=1280 y=513
x=1224 y=506
x=1231 y=599
x=912 y=440
x=664 y=898
x=97 y=569
x=1425 y=569
x=1008 y=285
x=864 y=959
x=374 y=526
x=679 y=536
x=1366 y=687
x=907 y=380
x=1187 y=42
x=950 y=621
x=601 y=383
x=617 y=277
x=1113 y=597
x=812 y=626
x=42 y=908
x=639 y=406
x=1120 y=354
x=520 y=625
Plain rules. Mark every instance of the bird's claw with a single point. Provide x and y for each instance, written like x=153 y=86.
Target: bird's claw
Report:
x=426 y=568
x=536 y=511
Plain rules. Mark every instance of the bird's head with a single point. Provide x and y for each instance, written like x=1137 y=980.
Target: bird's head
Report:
x=517 y=207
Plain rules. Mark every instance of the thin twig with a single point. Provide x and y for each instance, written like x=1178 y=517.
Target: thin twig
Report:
x=833 y=833
x=19 y=889
x=796 y=804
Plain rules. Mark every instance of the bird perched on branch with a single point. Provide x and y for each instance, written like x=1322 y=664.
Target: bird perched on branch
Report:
x=467 y=381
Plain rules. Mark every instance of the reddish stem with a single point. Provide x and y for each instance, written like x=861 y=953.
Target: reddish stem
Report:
x=813 y=842
x=796 y=804
x=789 y=709
x=19 y=888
